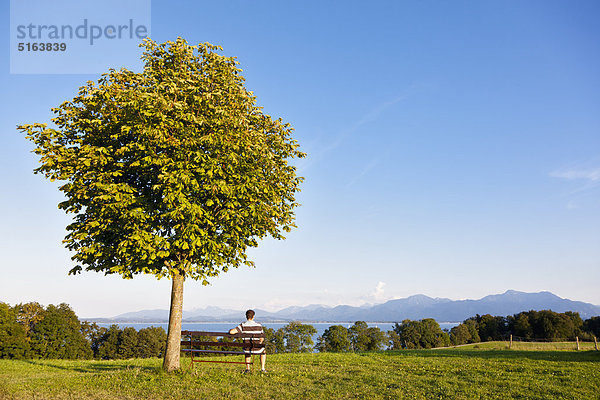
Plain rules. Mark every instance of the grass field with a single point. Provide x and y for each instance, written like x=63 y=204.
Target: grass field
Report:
x=465 y=373
x=541 y=346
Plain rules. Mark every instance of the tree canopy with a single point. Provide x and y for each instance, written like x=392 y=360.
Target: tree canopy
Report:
x=171 y=170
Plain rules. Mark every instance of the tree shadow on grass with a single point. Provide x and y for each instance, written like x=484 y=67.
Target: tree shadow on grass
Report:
x=561 y=356
x=91 y=366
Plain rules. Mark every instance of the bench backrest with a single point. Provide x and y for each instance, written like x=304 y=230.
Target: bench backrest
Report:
x=244 y=335
x=198 y=339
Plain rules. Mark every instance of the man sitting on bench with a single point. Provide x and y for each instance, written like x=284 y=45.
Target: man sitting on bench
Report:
x=251 y=327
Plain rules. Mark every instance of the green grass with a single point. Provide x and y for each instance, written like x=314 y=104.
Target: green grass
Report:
x=418 y=374
x=541 y=346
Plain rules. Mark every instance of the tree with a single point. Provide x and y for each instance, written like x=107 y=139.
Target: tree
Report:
x=335 y=339
x=274 y=340
x=128 y=343
x=465 y=333
x=93 y=333
x=173 y=171
x=108 y=348
x=592 y=325
x=298 y=337
x=408 y=333
x=491 y=327
x=151 y=342
x=13 y=337
x=520 y=326
x=425 y=333
x=395 y=341
x=358 y=336
x=547 y=324
x=377 y=339
x=364 y=338
x=58 y=335
x=29 y=314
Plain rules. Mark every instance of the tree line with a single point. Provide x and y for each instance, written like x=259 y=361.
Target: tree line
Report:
x=31 y=331
x=296 y=337
x=542 y=325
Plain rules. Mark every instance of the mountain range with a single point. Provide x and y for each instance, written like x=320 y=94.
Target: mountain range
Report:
x=413 y=307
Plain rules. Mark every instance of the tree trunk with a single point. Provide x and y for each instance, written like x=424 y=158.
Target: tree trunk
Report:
x=171 y=361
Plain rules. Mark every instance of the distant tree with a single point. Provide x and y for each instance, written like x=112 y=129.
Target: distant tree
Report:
x=358 y=336
x=577 y=322
x=58 y=335
x=93 y=333
x=364 y=338
x=592 y=326
x=174 y=171
x=491 y=327
x=128 y=343
x=377 y=339
x=395 y=341
x=108 y=348
x=459 y=335
x=425 y=334
x=519 y=326
x=547 y=324
x=432 y=335
x=151 y=342
x=409 y=334
x=473 y=331
x=274 y=340
x=13 y=337
x=298 y=337
x=29 y=314
x=464 y=333
x=335 y=339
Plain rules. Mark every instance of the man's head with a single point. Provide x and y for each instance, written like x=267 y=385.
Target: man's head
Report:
x=250 y=314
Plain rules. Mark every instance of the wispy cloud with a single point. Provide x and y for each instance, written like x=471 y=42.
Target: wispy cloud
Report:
x=586 y=178
x=592 y=175
x=363 y=172
x=369 y=116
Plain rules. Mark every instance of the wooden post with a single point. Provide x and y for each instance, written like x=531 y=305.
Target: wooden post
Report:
x=577 y=340
x=595 y=343
x=510 y=344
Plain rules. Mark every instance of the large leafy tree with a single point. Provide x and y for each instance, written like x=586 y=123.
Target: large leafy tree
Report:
x=174 y=171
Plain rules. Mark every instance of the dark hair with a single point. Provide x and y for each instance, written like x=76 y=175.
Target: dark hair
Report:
x=250 y=314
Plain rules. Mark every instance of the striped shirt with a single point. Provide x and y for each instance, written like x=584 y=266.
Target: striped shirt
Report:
x=253 y=328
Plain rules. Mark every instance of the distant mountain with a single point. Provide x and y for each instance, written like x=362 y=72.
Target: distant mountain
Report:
x=413 y=307
x=142 y=316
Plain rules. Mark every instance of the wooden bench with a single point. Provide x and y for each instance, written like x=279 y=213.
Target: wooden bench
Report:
x=198 y=342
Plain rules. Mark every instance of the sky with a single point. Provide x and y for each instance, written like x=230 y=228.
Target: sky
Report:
x=453 y=151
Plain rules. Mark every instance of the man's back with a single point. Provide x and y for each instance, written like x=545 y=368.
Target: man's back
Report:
x=251 y=327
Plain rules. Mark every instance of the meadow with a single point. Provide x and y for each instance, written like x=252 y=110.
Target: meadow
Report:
x=482 y=371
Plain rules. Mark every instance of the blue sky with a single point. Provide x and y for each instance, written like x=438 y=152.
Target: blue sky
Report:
x=453 y=150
